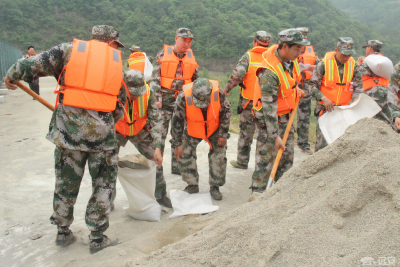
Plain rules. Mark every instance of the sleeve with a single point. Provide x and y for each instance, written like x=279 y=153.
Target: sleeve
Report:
x=224 y=116
x=154 y=121
x=119 y=111
x=357 y=83
x=314 y=83
x=155 y=82
x=393 y=93
x=195 y=74
x=178 y=120
x=239 y=72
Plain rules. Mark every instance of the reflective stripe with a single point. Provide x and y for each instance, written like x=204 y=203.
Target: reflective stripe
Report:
x=215 y=83
x=297 y=67
x=331 y=70
x=189 y=54
x=115 y=56
x=187 y=86
x=255 y=64
x=136 y=61
x=82 y=47
x=216 y=96
x=284 y=75
x=350 y=71
x=141 y=106
x=169 y=50
x=189 y=100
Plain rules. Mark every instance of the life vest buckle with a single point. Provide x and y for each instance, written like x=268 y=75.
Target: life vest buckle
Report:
x=341 y=83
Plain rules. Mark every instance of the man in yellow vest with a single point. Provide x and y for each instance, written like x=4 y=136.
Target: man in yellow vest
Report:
x=307 y=62
x=145 y=132
x=207 y=112
x=244 y=75
x=274 y=99
x=175 y=67
x=136 y=59
x=336 y=81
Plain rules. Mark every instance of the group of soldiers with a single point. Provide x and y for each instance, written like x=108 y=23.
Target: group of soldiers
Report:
x=100 y=108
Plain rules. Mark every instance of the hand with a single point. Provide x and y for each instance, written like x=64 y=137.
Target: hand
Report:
x=159 y=104
x=279 y=144
x=301 y=92
x=328 y=104
x=9 y=84
x=178 y=152
x=360 y=60
x=221 y=141
x=158 y=159
x=226 y=92
x=311 y=68
x=397 y=123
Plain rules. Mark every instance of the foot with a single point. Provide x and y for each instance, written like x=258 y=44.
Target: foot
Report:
x=64 y=237
x=192 y=189
x=235 y=164
x=306 y=150
x=176 y=171
x=165 y=201
x=214 y=191
x=98 y=244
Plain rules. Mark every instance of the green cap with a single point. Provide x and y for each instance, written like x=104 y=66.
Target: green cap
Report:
x=292 y=36
x=375 y=44
x=303 y=31
x=134 y=79
x=201 y=92
x=134 y=48
x=106 y=33
x=184 y=33
x=262 y=36
x=346 y=45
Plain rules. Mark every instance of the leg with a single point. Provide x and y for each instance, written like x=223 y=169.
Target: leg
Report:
x=187 y=164
x=122 y=140
x=217 y=162
x=247 y=129
x=303 y=122
x=166 y=116
x=320 y=142
x=287 y=158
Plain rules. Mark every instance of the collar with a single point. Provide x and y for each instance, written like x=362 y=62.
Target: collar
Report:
x=286 y=65
x=179 y=55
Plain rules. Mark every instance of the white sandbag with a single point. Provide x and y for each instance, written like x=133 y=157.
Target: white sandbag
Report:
x=380 y=65
x=334 y=124
x=139 y=186
x=184 y=203
x=3 y=91
x=148 y=68
x=1 y=99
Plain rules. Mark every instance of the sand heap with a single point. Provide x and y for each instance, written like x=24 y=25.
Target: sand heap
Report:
x=338 y=207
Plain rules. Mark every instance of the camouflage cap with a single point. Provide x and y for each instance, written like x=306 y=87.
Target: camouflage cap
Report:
x=201 y=92
x=184 y=33
x=375 y=44
x=292 y=36
x=134 y=48
x=106 y=33
x=134 y=79
x=262 y=36
x=346 y=45
x=303 y=31
x=151 y=59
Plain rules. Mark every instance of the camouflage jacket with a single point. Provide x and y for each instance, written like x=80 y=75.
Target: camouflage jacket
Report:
x=314 y=84
x=178 y=126
x=394 y=91
x=238 y=73
x=70 y=127
x=164 y=95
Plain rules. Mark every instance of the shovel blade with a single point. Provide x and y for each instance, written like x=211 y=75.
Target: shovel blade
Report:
x=270 y=182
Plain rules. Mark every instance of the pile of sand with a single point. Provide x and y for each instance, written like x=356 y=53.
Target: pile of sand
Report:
x=337 y=207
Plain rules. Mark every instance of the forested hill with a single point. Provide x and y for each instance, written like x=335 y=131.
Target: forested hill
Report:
x=383 y=18
x=222 y=27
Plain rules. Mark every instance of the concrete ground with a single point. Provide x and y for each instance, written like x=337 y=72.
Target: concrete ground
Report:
x=27 y=179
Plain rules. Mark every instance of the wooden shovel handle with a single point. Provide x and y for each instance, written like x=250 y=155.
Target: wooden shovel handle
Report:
x=35 y=96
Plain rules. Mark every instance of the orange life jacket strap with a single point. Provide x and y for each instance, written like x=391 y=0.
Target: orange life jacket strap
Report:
x=57 y=91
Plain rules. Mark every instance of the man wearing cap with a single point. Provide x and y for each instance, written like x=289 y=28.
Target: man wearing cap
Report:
x=244 y=75
x=206 y=111
x=394 y=96
x=307 y=62
x=82 y=127
x=274 y=99
x=136 y=59
x=337 y=81
x=175 y=67
x=375 y=86
x=145 y=132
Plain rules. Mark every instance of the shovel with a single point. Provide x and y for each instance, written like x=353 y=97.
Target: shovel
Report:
x=271 y=179
x=35 y=96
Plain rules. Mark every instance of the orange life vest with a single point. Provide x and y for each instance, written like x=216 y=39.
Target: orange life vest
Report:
x=336 y=90
x=308 y=57
x=255 y=56
x=196 y=125
x=169 y=65
x=372 y=81
x=93 y=76
x=138 y=115
x=287 y=84
x=136 y=61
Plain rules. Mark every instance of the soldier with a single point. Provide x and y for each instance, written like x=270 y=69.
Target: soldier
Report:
x=244 y=75
x=374 y=86
x=307 y=62
x=207 y=113
x=175 y=67
x=82 y=126
x=336 y=81
x=274 y=99
x=34 y=86
x=136 y=59
x=145 y=133
x=394 y=96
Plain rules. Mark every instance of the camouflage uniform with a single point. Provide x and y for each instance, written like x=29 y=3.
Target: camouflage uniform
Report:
x=394 y=92
x=80 y=135
x=269 y=124
x=180 y=137
x=247 y=125
x=316 y=80
x=168 y=97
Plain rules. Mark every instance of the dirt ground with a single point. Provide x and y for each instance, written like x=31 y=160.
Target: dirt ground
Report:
x=27 y=179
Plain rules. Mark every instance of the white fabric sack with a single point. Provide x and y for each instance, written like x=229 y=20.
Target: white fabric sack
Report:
x=334 y=124
x=139 y=186
x=184 y=203
x=148 y=68
x=380 y=65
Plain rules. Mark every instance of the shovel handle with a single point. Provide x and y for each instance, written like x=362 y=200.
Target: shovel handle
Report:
x=35 y=96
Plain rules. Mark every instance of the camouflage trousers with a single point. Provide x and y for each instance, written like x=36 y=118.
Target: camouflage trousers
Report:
x=35 y=87
x=303 y=122
x=69 y=170
x=216 y=160
x=266 y=155
x=379 y=94
x=247 y=129
x=145 y=147
x=166 y=116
